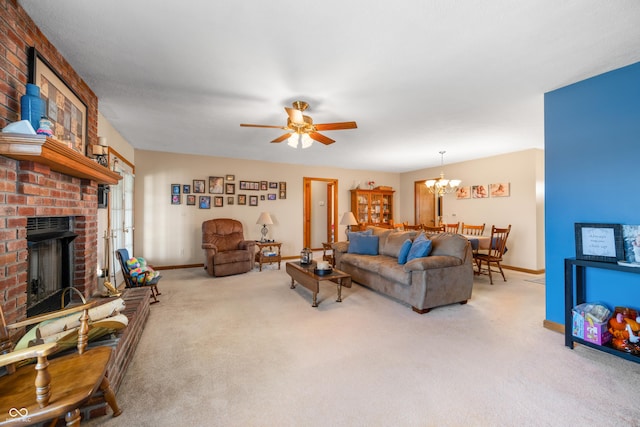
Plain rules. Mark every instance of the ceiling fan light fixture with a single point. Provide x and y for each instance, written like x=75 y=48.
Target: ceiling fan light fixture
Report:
x=301 y=130
x=292 y=141
x=299 y=139
x=305 y=140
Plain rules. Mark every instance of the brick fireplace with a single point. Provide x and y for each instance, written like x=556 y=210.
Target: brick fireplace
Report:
x=30 y=189
x=48 y=184
x=44 y=178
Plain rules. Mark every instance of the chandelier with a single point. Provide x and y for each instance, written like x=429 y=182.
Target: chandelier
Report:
x=441 y=185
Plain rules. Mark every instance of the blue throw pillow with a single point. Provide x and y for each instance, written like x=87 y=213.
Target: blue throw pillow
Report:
x=404 y=251
x=367 y=232
x=421 y=247
x=363 y=244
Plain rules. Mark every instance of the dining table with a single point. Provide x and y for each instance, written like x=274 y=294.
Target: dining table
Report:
x=478 y=242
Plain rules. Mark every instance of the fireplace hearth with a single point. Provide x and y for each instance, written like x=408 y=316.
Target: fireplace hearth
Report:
x=50 y=263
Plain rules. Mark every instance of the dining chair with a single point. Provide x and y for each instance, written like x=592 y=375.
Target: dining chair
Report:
x=495 y=252
x=413 y=227
x=433 y=229
x=472 y=230
x=452 y=228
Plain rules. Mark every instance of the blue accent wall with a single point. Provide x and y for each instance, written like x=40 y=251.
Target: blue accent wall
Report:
x=592 y=174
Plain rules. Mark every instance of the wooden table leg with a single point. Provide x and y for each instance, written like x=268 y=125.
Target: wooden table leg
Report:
x=110 y=397
x=339 y=291
x=293 y=283
x=315 y=299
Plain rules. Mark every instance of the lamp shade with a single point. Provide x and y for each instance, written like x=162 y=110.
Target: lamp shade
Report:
x=264 y=218
x=348 y=219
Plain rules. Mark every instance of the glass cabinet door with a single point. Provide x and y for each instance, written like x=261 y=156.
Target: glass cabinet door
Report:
x=363 y=209
x=387 y=208
x=376 y=208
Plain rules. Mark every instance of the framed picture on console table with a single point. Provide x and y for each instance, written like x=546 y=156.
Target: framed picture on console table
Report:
x=63 y=106
x=599 y=242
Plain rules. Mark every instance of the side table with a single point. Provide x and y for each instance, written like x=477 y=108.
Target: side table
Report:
x=268 y=252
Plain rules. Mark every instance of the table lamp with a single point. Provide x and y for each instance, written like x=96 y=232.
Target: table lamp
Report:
x=264 y=219
x=348 y=219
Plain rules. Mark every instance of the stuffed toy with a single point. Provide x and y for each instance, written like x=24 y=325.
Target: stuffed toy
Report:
x=140 y=271
x=624 y=326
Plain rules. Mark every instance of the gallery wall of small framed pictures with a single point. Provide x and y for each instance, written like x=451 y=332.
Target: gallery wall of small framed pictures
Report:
x=482 y=191
x=220 y=186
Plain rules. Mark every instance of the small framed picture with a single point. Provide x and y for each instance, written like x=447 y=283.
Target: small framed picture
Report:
x=253 y=200
x=215 y=185
x=263 y=197
x=230 y=188
x=631 y=239
x=230 y=177
x=186 y=189
x=243 y=185
x=218 y=201
x=175 y=199
x=500 y=189
x=283 y=186
x=242 y=199
x=273 y=185
x=191 y=200
x=204 y=202
x=599 y=242
x=479 y=191
x=283 y=194
x=271 y=196
x=463 y=193
x=198 y=186
x=264 y=185
x=230 y=200
x=175 y=188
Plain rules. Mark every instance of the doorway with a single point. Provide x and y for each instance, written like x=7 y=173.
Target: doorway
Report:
x=425 y=204
x=320 y=211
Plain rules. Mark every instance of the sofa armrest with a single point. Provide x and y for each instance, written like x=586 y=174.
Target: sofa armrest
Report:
x=431 y=262
x=342 y=247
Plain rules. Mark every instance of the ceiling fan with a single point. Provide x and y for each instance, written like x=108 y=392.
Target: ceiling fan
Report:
x=301 y=128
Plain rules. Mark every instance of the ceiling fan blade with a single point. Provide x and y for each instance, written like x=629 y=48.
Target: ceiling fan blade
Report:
x=294 y=115
x=263 y=126
x=336 y=126
x=282 y=137
x=321 y=138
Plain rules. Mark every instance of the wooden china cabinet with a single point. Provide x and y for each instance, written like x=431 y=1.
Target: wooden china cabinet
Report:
x=373 y=207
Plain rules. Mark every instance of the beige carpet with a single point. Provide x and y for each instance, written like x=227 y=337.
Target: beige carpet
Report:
x=248 y=351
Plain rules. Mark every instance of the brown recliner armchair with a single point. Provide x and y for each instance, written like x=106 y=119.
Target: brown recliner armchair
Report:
x=226 y=252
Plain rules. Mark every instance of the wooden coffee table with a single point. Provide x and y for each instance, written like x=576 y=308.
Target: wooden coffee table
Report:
x=306 y=276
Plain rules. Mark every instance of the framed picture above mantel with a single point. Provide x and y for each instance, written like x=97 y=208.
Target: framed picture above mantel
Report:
x=63 y=106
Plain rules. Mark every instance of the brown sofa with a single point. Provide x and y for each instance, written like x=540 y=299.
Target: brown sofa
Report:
x=444 y=277
x=226 y=252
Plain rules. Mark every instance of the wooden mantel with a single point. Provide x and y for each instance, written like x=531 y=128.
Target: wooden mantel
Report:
x=56 y=155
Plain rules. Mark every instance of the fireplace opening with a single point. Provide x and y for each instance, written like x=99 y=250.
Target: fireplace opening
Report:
x=50 y=263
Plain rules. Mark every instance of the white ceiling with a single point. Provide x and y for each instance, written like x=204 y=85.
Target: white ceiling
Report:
x=418 y=76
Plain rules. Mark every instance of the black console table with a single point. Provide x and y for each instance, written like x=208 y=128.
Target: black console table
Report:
x=579 y=285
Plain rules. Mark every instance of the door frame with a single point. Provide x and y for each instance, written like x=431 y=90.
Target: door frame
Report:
x=435 y=203
x=332 y=203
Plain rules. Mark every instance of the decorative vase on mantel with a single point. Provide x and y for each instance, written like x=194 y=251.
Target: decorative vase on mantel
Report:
x=32 y=106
